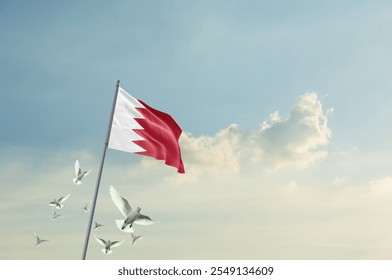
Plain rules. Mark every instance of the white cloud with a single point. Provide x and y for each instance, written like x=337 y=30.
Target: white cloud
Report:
x=296 y=140
x=272 y=119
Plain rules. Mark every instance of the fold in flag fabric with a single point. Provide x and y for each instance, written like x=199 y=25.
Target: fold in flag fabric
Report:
x=137 y=128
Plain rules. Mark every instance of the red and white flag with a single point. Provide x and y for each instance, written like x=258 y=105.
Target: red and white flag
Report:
x=137 y=128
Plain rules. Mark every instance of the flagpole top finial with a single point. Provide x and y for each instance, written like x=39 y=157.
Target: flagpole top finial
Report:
x=118 y=82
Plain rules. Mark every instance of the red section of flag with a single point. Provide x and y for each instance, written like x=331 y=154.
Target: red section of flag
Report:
x=161 y=134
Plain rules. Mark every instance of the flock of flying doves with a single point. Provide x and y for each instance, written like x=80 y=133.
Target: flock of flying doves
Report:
x=131 y=215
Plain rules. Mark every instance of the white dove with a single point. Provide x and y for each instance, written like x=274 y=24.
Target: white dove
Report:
x=108 y=244
x=131 y=215
x=79 y=174
x=135 y=237
x=58 y=202
x=57 y=215
x=39 y=240
x=85 y=208
x=97 y=225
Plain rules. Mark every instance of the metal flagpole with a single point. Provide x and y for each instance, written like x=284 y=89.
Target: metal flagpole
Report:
x=105 y=147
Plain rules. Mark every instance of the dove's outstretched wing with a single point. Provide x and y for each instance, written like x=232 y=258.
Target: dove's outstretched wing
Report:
x=115 y=244
x=63 y=198
x=121 y=203
x=53 y=203
x=144 y=220
x=100 y=240
x=88 y=172
x=77 y=168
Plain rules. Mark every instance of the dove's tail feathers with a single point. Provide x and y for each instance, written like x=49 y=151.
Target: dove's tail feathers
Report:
x=76 y=181
x=106 y=251
x=127 y=229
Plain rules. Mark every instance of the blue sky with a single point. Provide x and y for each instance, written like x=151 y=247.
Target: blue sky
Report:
x=221 y=69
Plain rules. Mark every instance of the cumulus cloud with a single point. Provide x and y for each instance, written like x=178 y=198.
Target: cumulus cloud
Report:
x=297 y=140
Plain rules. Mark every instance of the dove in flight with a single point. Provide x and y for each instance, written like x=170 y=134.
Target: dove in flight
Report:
x=108 y=245
x=85 y=208
x=58 y=203
x=57 y=215
x=79 y=174
x=135 y=237
x=39 y=240
x=131 y=215
x=97 y=225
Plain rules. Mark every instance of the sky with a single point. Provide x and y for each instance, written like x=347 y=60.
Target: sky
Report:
x=285 y=112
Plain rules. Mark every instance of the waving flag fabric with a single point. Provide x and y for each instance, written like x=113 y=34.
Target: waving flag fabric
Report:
x=138 y=128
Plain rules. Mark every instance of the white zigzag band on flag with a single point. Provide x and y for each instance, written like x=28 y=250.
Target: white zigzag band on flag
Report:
x=122 y=133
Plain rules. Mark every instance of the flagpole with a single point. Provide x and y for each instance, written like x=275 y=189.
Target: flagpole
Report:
x=105 y=147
